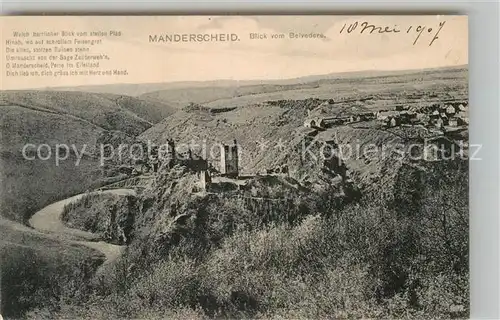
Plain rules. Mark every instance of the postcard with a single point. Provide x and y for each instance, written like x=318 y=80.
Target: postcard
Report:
x=185 y=167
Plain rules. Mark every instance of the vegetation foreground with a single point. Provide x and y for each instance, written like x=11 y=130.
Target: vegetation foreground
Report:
x=399 y=256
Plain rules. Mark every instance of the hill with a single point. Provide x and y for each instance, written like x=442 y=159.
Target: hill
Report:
x=138 y=89
x=271 y=136
x=372 y=92
x=183 y=96
x=333 y=86
x=34 y=267
x=77 y=120
x=269 y=126
x=30 y=184
x=110 y=112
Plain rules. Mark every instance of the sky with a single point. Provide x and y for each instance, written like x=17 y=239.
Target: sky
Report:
x=245 y=59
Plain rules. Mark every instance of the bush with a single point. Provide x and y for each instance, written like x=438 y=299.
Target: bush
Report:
x=109 y=215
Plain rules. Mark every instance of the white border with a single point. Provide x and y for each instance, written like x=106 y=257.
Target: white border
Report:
x=484 y=35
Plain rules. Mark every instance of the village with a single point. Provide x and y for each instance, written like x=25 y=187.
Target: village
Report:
x=445 y=123
x=442 y=116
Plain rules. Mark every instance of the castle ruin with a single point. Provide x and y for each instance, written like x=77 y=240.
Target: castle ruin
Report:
x=229 y=160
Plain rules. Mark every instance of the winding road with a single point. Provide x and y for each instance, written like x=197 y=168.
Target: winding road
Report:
x=48 y=220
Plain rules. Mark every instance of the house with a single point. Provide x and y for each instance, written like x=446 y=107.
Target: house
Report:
x=463 y=116
x=310 y=123
x=384 y=115
x=461 y=107
x=450 y=109
x=354 y=118
x=453 y=122
x=327 y=102
x=320 y=122
x=315 y=123
x=392 y=122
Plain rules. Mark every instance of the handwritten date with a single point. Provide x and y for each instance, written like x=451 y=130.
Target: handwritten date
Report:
x=416 y=30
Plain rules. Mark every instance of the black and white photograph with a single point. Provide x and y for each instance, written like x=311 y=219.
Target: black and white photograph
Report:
x=235 y=167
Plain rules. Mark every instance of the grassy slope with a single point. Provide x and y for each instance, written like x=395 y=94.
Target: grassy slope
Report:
x=28 y=185
x=33 y=265
x=34 y=268
x=43 y=117
x=111 y=112
x=149 y=110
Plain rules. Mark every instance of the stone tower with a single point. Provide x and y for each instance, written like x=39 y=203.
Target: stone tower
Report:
x=205 y=180
x=170 y=152
x=168 y=156
x=229 y=160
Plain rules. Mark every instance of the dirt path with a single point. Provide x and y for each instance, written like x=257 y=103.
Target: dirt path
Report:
x=48 y=220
